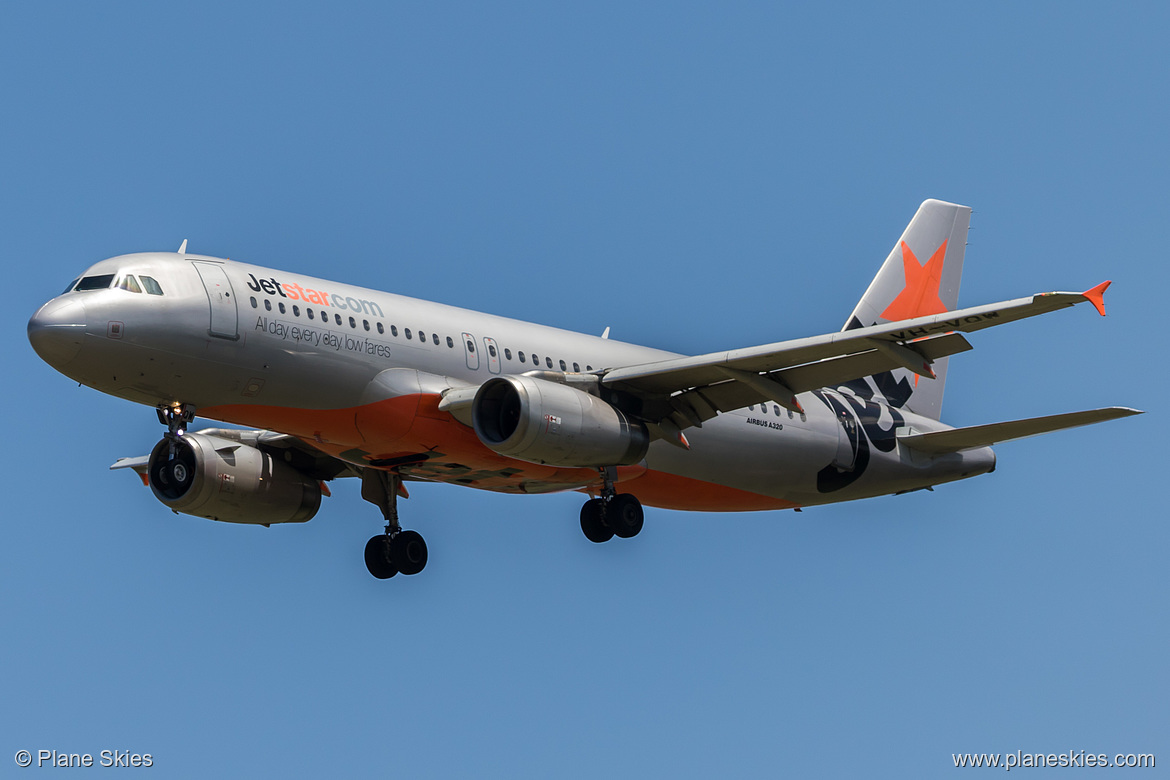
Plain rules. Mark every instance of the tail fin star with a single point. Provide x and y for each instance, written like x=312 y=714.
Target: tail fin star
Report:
x=920 y=295
x=904 y=288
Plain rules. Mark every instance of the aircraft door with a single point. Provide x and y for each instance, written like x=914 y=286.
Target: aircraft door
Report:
x=224 y=317
x=469 y=351
x=493 y=353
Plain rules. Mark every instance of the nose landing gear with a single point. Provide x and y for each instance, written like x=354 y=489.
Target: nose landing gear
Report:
x=395 y=551
x=176 y=417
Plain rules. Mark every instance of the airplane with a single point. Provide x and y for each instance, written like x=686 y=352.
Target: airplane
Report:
x=330 y=380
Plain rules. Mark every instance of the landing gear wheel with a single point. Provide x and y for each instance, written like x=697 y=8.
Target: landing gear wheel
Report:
x=378 y=558
x=177 y=472
x=624 y=515
x=409 y=552
x=593 y=521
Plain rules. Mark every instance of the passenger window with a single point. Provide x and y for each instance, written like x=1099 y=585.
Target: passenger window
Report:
x=352 y=323
x=563 y=366
x=491 y=350
x=366 y=324
x=254 y=304
x=129 y=283
x=70 y=287
x=588 y=368
x=535 y=360
x=394 y=331
x=548 y=362
x=309 y=313
x=151 y=286
x=95 y=282
x=267 y=305
x=296 y=310
x=280 y=306
x=776 y=410
x=381 y=329
x=471 y=346
x=407 y=332
x=450 y=342
x=435 y=338
x=520 y=355
x=337 y=318
x=422 y=337
x=576 y=368
x=508 y=354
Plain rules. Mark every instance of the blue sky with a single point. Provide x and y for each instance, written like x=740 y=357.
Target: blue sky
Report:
x=697 y=177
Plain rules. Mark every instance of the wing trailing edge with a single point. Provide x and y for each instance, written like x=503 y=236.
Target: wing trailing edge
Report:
x=956 y=439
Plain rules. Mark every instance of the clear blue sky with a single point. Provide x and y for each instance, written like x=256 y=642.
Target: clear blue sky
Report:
x=697 y=177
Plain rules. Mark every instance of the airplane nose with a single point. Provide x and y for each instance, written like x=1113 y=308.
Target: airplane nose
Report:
x=57 y=329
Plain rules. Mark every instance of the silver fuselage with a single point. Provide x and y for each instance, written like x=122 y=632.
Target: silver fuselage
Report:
x=239 y=343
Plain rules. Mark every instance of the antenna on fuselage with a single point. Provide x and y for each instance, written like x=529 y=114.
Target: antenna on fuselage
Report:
x=606 y=334
x=183 y=247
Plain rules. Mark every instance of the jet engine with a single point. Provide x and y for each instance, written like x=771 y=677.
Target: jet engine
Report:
x=545 y=422
x=225 y=480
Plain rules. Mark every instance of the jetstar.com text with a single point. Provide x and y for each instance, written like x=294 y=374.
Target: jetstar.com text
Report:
x=297 y=293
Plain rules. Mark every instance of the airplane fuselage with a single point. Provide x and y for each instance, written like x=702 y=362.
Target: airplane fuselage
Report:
x=360 y=374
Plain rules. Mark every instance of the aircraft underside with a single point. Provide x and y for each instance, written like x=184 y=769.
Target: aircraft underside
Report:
x=335 y=380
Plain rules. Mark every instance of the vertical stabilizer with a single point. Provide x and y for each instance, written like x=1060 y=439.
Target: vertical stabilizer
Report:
x=921 y=276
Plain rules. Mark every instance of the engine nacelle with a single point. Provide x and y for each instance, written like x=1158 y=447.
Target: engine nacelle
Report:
x=229 y=481
x=544 y=422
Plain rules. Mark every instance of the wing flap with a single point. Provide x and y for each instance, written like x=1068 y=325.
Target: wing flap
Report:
x=300 y=454
x=957 y=439
x=669 y=376
x=730 y=395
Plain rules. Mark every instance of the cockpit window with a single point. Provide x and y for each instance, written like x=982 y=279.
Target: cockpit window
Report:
x=95 y=282
x=70 y=287
x=128 y=282
x=151 y=285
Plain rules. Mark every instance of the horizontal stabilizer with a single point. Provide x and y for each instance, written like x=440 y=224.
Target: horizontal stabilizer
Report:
x=985 y=435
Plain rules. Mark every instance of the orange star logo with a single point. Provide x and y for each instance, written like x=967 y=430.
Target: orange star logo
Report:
x=920 y=295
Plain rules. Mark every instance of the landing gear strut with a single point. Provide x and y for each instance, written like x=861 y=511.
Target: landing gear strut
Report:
x=174 y=475
x=176 y=418
x=611 y=515
x=396 y=551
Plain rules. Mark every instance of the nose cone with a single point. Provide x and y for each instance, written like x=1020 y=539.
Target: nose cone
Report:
x=57 y=329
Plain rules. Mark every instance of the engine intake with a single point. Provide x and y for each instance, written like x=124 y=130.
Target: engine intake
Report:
x=544 y=422
x=229 y=481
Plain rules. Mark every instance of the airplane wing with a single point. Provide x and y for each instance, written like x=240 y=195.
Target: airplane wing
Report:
x=690 y=390
x=957 y=439
x=305 y=458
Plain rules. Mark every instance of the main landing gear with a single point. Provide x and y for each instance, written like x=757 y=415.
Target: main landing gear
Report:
x=396 y=551
x=611 y=515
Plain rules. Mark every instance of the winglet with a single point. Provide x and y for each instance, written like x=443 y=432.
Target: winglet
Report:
x=183 y=247
x=1096 y=296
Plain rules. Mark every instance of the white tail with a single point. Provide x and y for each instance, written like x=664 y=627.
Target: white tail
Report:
x=921 y=276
